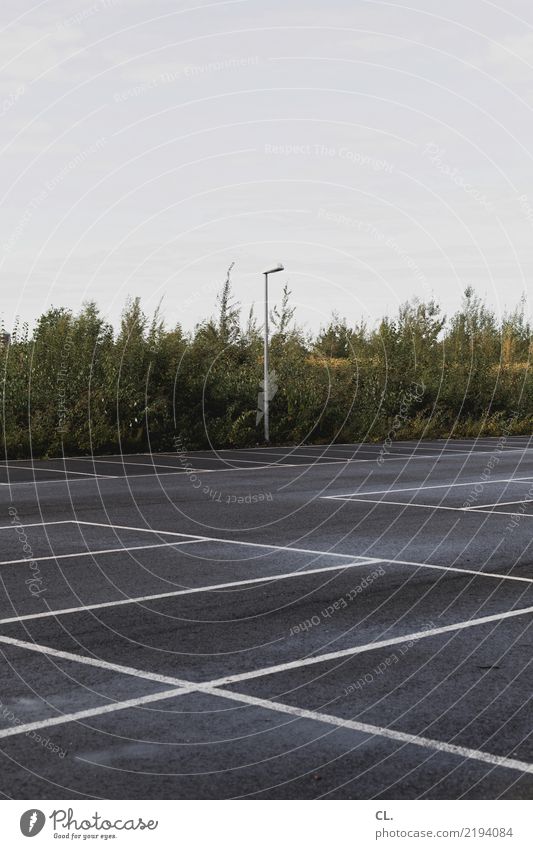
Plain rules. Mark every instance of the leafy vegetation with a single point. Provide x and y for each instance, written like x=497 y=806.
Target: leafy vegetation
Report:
x=74 y=385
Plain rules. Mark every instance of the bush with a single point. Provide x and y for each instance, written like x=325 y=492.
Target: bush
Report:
x=75 y=386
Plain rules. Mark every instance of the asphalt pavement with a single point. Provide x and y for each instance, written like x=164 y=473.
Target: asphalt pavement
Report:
x=342 y=621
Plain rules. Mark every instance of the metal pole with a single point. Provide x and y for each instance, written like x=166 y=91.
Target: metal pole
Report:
x=266 y=364
x=266 y=386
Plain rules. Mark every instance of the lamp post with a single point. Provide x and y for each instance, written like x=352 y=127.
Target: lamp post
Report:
x=266 y=401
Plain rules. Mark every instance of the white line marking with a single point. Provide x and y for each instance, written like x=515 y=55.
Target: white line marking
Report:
x=490 y=440
x=264 y=457
x=466 y=510
x=431 y=486
x=441 y=455
x=268 y=670
x=292 y=451
x=187 y=687
x=55 y=471
x=221 y=539
x=76 y=716
x=426 y=444
x=189 y=591
x=15 y=525
x=380 y=731
x=93 y=661
x=335 y=655
x=348 y=499
x=250 y=581
x=318 y=455
x=270 y=546
x=150 y=465
x=501 y=504
x=502 y=513
x=262 y=449
x=463 y=571
x=77 y=554
x=181 y=472
x=34 y=482
x=440 y=442
x=348 y=461
x=298 y=452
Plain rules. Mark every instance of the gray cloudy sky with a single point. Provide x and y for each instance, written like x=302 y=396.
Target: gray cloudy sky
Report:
x=379 y=149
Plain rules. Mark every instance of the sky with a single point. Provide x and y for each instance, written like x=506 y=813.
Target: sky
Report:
x=379 y=150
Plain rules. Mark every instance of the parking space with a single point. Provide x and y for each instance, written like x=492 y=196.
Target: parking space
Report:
x=300 y=654
x=210 y=461
x=471 y=494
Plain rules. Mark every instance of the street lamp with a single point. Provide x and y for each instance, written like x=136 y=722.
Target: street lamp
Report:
x=266 y=399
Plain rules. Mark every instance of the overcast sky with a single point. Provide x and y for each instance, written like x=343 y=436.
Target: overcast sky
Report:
x=380 y=150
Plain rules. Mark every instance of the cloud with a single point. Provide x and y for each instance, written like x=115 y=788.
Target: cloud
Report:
x=28 y=51
x=511 y=60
